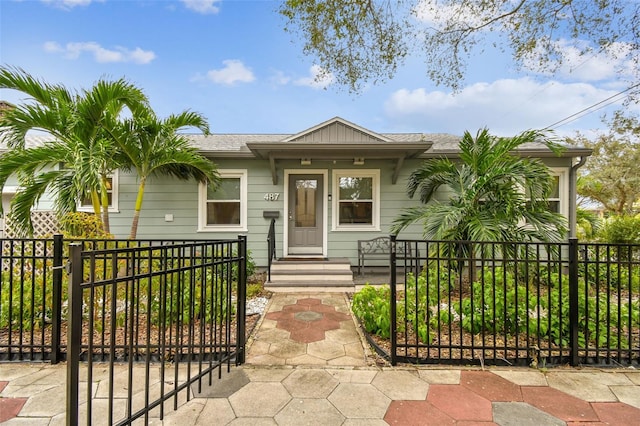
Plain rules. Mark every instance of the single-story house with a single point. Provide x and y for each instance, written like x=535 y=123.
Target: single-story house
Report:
x=327 y=187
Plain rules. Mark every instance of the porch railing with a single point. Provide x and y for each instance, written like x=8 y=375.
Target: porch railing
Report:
x=271 y=247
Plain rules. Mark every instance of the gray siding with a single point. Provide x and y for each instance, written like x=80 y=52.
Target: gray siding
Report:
x=167 y=196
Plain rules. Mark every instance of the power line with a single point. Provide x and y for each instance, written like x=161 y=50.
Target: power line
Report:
x=588 y=109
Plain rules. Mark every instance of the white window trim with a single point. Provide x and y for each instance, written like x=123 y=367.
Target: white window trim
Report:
x=202 y=204
x=115 y=191
x=563 y=189
x=372 y=173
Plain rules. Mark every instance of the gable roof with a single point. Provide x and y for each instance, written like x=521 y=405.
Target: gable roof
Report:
x=335 y=138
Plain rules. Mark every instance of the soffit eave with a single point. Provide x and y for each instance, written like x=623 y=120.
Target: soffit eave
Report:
x=397 y=152
x=567 y=153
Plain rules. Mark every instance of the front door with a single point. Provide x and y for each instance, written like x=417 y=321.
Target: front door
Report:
x=306 y=216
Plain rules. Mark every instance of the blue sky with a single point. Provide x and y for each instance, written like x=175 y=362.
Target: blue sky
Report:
x=232 y=61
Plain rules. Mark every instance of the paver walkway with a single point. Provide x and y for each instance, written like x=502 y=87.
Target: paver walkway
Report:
x=307 y=329
x=291 y=379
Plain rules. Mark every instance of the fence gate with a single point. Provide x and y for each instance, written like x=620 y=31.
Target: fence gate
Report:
x=150 y=322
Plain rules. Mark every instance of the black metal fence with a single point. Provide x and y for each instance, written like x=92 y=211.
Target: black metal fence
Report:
x=152 y=317
x=30 y=299
x=33 y=289
x=515 y=303
x=178 y=307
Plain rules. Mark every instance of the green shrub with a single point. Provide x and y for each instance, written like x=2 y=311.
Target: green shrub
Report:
x=371 y=306
x=500 y=303
x=621 y=230
x=81 y=225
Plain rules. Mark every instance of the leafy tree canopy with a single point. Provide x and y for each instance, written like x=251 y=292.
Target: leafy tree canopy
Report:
x=362 y=41
x=611 y=176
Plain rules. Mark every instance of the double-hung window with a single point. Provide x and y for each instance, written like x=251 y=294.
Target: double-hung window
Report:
x=224 y=207
x=557 y=201
x=85 y=204
x=356 y=200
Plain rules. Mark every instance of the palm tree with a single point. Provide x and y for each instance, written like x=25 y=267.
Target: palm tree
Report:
x=495 y=195
x=77 y=161
x=153 y=146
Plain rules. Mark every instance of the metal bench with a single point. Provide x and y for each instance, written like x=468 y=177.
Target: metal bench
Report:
x=375 y=249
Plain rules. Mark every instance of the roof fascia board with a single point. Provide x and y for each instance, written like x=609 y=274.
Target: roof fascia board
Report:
x=567 y=153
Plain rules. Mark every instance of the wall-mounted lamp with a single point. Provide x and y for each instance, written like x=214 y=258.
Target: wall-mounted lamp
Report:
x=305 y=162
x=358 y=161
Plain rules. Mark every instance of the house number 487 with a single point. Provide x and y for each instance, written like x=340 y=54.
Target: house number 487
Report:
x=271 y=196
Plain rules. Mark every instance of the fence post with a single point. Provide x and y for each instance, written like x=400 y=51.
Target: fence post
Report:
x=392 y=302
x=573 y=300
x=74 y=333
x=56 y=302
x=242 y=299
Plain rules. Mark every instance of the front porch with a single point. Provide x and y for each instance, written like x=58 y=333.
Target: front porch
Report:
x=322 y=274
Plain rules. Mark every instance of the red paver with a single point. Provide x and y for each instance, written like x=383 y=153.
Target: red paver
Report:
x=416 y=413
x=3 y=385
x=558 y=404
x=326 y=324
x=460 y=403
x=587 y=424
x=336 y=316
x=307 y=335
x=291 y=324
x=491 y=386
x=276 y=316
x=470 y=423
x=617 y=413
x=10 y=407
x=309 y=301
x=295 y=308
x=308 y=331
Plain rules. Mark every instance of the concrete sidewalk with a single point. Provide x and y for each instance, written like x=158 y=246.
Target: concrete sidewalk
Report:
x=306 y=365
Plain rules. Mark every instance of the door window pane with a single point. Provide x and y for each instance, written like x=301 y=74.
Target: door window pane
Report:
x=305 y=210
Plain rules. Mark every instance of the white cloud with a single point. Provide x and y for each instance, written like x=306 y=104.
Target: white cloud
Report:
x=506 y=106
x=437 y=15
x=279 y=78
x=610 y=63
x=69 y=4
x=317 y=79
x=100 y=54
x=234 y=71
x=202 y=6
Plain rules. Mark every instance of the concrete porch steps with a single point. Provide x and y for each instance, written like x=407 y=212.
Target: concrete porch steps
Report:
x=310 y=273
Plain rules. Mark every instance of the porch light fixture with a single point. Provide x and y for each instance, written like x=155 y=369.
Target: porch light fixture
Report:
x=305 y=162
x=358 y=161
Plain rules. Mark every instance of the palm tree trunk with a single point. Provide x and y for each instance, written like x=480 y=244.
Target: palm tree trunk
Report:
x=97 y=205
x=105 y=207
x=136 y=212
